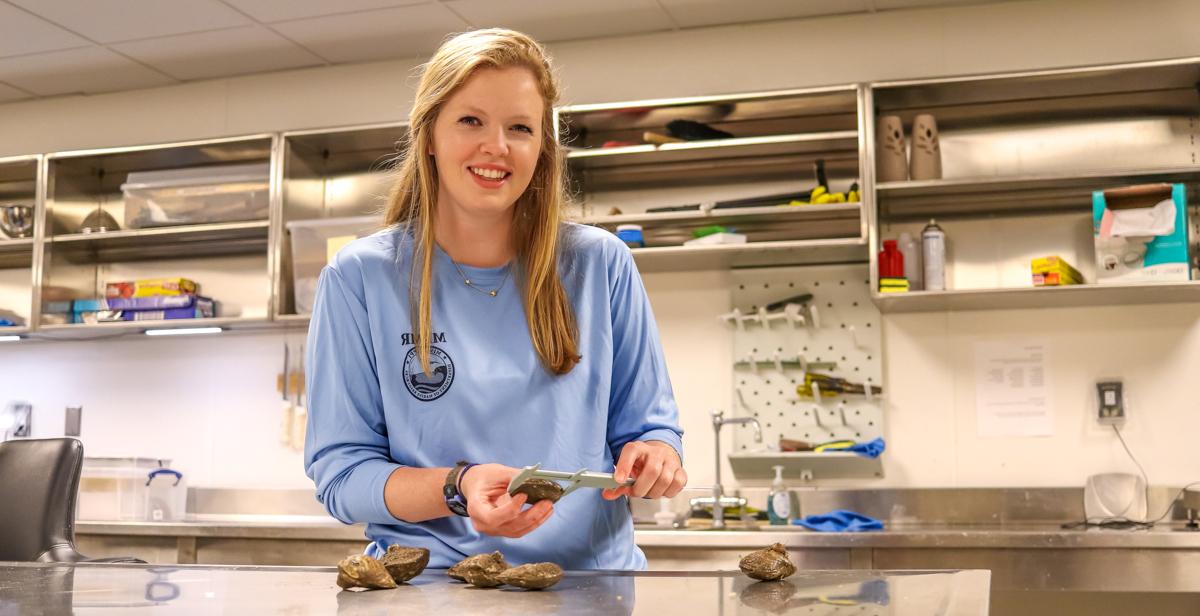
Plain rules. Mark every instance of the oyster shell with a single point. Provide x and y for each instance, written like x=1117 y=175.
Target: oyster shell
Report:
x=404 y=563
x=540 y=490
x=362 y=571
x=768 y=564
x=479 y=570
x=534 y=576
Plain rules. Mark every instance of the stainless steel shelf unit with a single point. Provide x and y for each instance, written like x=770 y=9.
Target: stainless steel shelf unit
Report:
x=1021 y=155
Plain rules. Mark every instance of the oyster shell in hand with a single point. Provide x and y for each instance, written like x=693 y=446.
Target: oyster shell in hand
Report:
x=540 y=490
x=404 y=563
x=534 y=576
x=768 y=564
x=362 y=571
x=479 y=570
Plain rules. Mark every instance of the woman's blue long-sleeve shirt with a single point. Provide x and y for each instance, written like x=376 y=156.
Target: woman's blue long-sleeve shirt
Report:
x=488 y=399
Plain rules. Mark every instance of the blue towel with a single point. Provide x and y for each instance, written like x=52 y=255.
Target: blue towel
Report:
x=869 y=449
x=840 y=521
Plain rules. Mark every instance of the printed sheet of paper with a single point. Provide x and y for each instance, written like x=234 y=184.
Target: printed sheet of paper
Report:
x=1012 y=392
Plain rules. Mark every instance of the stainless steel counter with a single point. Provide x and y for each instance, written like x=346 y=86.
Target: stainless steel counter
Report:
x=1045 y=535
x=299 y=591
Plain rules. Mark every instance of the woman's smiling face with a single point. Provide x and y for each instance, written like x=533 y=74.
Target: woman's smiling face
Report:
x=486 y=141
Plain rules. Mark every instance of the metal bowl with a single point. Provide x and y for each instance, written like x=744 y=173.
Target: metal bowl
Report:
x=16 y=220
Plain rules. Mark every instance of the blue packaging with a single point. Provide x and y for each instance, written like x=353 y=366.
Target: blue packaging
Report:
x=1141 y=234
x=631 y=235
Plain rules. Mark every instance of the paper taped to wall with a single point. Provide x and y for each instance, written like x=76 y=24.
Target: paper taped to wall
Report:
x=1012 y=392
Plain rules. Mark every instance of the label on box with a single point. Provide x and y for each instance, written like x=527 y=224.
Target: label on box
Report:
x=151 y=287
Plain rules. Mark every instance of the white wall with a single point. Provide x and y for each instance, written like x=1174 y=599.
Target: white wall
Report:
x=210 y=404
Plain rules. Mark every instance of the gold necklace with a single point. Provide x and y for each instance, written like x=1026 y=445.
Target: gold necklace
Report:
x=468 y=282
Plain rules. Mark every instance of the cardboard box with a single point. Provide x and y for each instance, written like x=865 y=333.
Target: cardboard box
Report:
x=151 y=287
x=157 y=308
x=1141 y=234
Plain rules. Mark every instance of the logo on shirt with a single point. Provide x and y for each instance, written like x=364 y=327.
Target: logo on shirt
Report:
x=427 y=387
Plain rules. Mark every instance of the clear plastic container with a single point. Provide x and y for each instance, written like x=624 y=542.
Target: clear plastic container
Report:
x=166 y=495
x=314 y=242
x=122 y=489
x=223 y=193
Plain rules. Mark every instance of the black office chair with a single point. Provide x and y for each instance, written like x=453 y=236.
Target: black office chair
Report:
x=39 y=483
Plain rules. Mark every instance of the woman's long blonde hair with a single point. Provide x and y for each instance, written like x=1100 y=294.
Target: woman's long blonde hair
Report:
x=538 y=212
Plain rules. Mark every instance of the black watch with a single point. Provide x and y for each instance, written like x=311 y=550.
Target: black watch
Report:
x=455 y=501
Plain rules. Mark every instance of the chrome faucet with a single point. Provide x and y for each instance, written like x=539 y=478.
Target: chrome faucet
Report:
x=718 y=420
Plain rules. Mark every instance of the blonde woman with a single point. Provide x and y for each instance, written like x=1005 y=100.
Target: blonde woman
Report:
x=479 y=333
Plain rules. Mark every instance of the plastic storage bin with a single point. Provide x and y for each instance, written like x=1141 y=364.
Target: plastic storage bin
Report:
x=224 y=193
x=130 y=489
x=312 y=241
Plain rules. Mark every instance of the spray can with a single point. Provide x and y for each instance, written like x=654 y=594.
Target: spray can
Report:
x=933 y=256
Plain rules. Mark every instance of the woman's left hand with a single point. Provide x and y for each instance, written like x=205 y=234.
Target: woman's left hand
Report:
x=656 y=467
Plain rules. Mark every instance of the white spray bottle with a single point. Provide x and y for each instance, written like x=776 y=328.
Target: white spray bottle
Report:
x=779 y=501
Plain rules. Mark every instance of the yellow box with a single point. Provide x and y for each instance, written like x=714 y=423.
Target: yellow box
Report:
x=1046 y=265
x=151 y=287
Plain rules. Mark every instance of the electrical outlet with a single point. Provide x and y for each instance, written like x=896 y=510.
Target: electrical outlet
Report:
x=1111 y=403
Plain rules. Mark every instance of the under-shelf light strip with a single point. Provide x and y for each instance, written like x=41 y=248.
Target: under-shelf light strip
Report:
x=184 y=331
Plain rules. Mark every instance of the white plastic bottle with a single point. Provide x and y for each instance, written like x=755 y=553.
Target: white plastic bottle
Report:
x=933 y=254
x=779 y=500
x=913 y=270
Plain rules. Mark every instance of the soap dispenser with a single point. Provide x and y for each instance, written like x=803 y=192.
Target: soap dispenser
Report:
x=779 y=500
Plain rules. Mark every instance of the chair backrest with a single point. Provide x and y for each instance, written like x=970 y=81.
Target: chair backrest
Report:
x=39 y=481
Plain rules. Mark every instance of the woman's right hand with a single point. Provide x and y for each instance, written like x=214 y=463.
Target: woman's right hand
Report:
x=492 y=510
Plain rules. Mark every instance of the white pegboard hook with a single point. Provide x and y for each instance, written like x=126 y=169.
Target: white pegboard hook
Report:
x=816 y=411
x=742 y=401
x=869 y=390
x=734 y=316
x=814 y=315
x=778 y=359
x=816 y=392
x=858 y=343
x=762 y=317
x=794 y=315
x=842 y=412
x=803 y=361
x=783 y=315
x=753 y=361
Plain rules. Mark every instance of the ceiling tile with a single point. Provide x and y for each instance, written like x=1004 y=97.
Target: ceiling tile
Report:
x=88 y=70
x=111 y=21
x=22 y=33
x=558 y=20
x=374 y=35
x=268 y=11
x=9 y=94
x=220 y=53
x=695 y=13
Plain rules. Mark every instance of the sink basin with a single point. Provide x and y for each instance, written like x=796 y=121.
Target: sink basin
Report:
x=731 y=525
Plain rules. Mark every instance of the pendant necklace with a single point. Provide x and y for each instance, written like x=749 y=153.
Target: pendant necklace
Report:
x=467 y=281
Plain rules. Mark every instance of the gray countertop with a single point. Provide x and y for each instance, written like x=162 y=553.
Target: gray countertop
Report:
x=300 y=591
x=1046 y=535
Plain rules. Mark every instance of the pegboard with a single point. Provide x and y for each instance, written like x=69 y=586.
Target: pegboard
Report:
x=836 y=334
